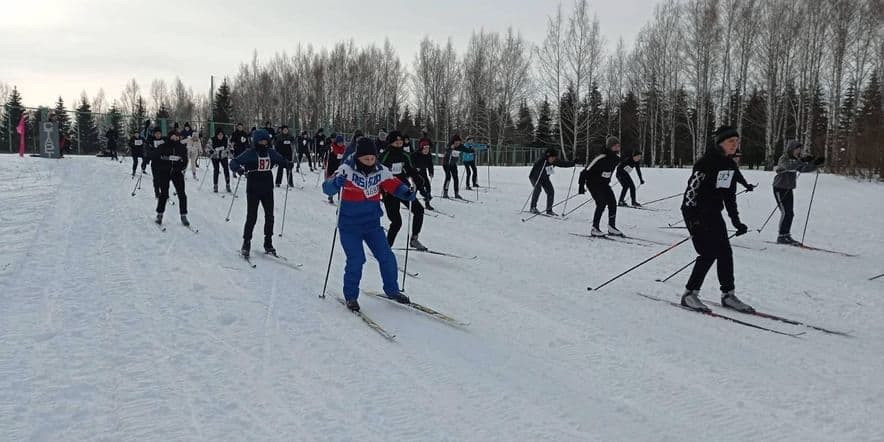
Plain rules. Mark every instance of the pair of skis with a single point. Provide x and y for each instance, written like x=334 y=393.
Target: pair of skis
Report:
x=749 y=324
x=436 y=252
x=622 y=239
x=816 y=249
x=163 y=228
x=279 y=259
x=419 y=308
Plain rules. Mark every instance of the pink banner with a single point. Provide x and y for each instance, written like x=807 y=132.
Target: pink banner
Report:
x=21 y=135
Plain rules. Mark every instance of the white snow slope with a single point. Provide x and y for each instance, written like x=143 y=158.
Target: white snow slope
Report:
x=111 y=330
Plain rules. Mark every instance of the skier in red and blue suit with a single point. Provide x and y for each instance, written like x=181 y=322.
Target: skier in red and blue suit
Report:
x=360 y=180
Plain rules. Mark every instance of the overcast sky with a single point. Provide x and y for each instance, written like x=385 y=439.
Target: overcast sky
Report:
x=62 y=47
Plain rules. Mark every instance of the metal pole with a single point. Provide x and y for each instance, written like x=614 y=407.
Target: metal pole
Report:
x=809 y=206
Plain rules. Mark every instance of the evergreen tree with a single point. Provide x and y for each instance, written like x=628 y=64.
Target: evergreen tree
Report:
x=525 y=126
x=752 y=135
x=115 y=120
x=223 y=111
x=11 y=115
x=406 y=124
x=136 y=120
x=870 y=128
x=85 y=128
x=64 y=120
x=629 y=122
x=543 y=135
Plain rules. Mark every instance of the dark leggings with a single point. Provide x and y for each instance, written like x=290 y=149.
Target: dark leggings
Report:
x=470 y=168
x=135 y=158
x=451 y=172
x=391 y=206
x=604 y=198
x=712 y=246
x=785 y=202
x=222 y=162
x=302 y=154
x=252 y=201
x=426 y=190
x=626 y=183
x=547 y=187
x=288 y=172
x=177 y=179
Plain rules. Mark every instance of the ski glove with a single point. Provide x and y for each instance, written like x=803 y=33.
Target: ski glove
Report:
x=340 y=180
x=819 y=161
x=643 y=182
x=741 y=228
x=750 y=187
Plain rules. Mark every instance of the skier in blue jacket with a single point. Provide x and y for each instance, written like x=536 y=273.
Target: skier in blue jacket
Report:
x=360 y=180
x=258 y=163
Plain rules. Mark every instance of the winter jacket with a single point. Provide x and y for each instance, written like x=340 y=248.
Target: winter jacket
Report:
x=361 y=194
x=788 y=168
x=150 y=147
x=240 y=139
x=543 y=169
x=136 y=146
x=711 y=188
x=625 y=167
x=422 y=161
x=284 y=144
x=320 y=143
x=469 y=154
x=399 y=162
x=259 y=166
x=219 y=148
x=303 y=144
x=599 y=171
x=335 y=158
x=451 y=155
x=170 y=157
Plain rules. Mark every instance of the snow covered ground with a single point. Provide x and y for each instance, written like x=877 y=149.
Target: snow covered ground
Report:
x=112 y=330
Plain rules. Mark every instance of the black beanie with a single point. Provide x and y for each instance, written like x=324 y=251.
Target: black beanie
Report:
x=365 y=147
x=725 y=132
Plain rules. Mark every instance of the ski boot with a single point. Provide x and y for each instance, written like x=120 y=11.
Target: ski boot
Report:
x=691 y=300
x=730 y=300
x=228 y=187
x=246 y=247
x=445 y=193
x=457 y=196
x=277 y=184
x=550 y=212
x=399 y=297
x=427 y=204
x=416 y=245
x=468 y=187
x=331 y=200
x=268 y=246
x=475 y=184
x=622 y=204
x=596 y=232
x=787 y=240
x=534 y=211
x=185 y=221
x=353 y=305
x=216 y=188
x=613 y=231
x=159 y=219
x=635 y=204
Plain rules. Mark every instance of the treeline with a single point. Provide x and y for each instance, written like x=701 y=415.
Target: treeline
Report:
x=775 y=69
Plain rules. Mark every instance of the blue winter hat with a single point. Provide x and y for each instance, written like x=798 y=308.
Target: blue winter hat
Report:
x=261 y=135
x=339 y=139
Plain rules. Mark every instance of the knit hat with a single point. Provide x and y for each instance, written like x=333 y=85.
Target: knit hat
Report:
x=551 y=153
x=365 y=147
x=725 y=132
x=455 y=138
x=339 y=139
x=791 y=145
x=393 y=135
x=611 y=142
x=260 y=135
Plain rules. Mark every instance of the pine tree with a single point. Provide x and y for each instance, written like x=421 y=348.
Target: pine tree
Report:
x=136 y=120
x=115 y=119
x=406 y=124
x=62 y=117
x=752 y=135
x=11 y=114
x=629 y=121
x=870 y=129
x=525 y=126
x=223 y=111
x=543 y=135
x=85 y=128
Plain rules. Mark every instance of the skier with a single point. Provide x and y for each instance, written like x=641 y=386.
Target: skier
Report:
x=381 y=142
x=269 y=128
x=539 y=177
x=284 y=143
x=304 y=150
x=710 y=188
x=136 y=149
x=186 y=133
x=335 y=157
x=258 y=163
x=791 y=164
x=111 y=136
x=449 y=165
x=424 y=140
x=469 y=164
x=423 y=162
x=399 y=162
x=320 y=148
x=194 y=145
x=407 y=144
x=240 y=139
x=360 y=181
x=149 y=152
x=624 y=168
x=219 y=153
x=169 y=161
x=597 y=177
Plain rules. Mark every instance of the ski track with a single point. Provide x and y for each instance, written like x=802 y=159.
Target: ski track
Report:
x=112 y=330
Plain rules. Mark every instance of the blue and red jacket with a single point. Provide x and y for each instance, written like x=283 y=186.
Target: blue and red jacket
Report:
x=361 y=194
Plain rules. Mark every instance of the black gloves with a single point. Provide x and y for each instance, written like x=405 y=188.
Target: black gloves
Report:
x=750 y=187
x=819 y=161
x=741 y=228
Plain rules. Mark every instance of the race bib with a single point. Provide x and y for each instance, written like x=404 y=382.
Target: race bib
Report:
x=340 y=155
x=322 y=143
x=606 y=174
x=627 y=169
x=264 y=164
x=455 y=154
x=550 y=169
x=286 y=142
x=174 y=158
x=304 y=143
x=370 y=185
x=396 y=168
x=157 y=143
x=139 y=142
x=242 y=139
x=724 y=179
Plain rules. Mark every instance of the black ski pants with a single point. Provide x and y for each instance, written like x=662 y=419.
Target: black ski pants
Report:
x=785 y=202
x=470 y=168
x=252 y=201
x=451 y=173
x=546 y=185
x=135 y=157
x=288 y=172
x=220 y=163
x=391 y=206
x=713 y=246
x=177 y=179
x=603 y=196
x=626 y=183
x=426 y=189
x=302 y=154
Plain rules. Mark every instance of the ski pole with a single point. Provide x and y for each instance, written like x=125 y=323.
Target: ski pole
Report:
x=768 y=219
x=233 y=198
x=810 y=205
x=686 y=266
x=662 y=199
x=285 y=202
x=575 y=209
x=535 y=215
x=530 y=195
x=640 y=264
x=204 y=178
x=138 y=183
x=570 y=185
x=407 y=247
x=876 y=277
x=331 y=252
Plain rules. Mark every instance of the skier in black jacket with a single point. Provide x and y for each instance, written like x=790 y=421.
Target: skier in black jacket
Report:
x=449 y=165
x=623 y=175
x=597 y=177
x=320 y=148
x=219 y=154
x=240 y=140
x=399 y=162
x=136 y=149
x=539 y=177
x=258 y=164
x=149 y=151
x=169 y=161
x=284 y=144
x=111 y=136
x=304 y=150
x=423 y=162
x=710 y=189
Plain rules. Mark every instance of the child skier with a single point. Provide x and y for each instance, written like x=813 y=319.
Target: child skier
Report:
x=597 y=177
x=360 y=180
x=136 y=149
x=449 y=165
x=399 y=162
x=284 y=144
x=423 y=162
x=258 y=162
x=791 y=164
x=623 y=170
x=194 y=145
x=539 y=177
